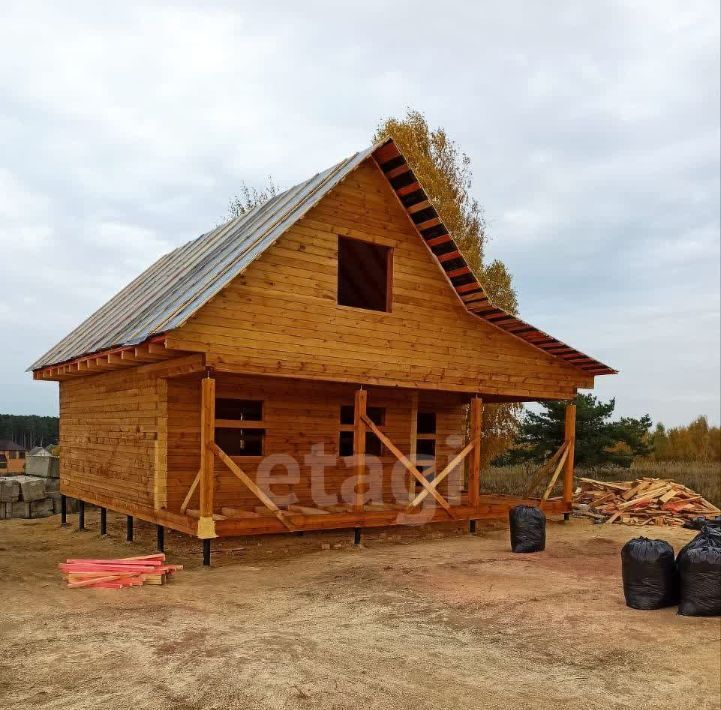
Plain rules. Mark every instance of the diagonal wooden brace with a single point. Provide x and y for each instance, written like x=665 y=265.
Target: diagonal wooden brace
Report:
x=250 y=484
x=556 y=473
x=439 y=478
x=544 y=469
x=409 y=466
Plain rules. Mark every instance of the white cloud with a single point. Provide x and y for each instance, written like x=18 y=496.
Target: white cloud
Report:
x=593 y=129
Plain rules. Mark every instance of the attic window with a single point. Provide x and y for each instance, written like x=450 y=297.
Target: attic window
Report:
x=364 y=272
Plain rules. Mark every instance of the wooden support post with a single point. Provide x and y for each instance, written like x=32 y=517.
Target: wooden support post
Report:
x=63 y=509
x=570 y=438
x=206 y=552
x=129 y=528
x=206 y=524
x=474 y=464
x=359 y=446
x=413 y=445
x=103 y=521
x=160 y=534
x=81 y=515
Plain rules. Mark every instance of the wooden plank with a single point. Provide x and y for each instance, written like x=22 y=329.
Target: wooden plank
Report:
x=570 y=438
x=307 y=510
x=186 y=501
x=437 y=480
x=556 y=473
x=409 y=466
x=250 y=484
x=474 y=470
x=207 y=439
x=541 y=473
x=359 y=446
x=413 y=443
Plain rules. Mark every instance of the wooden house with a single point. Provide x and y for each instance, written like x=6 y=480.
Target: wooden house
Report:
x=308 y=365
x=12 y=455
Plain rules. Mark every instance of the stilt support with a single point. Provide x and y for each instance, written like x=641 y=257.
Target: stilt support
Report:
x=566 y=516
x=81 y=515
x=472 y=527
x=206 y=553
x=357 y=536
x=103 y=521
x=129 y=528
x=160 y=532
x=63 y=510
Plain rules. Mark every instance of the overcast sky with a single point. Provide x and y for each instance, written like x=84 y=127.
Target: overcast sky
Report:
x=593 y=128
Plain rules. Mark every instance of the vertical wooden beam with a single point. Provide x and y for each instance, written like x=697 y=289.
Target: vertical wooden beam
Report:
x=359 y=446
x=474 y=464
x=160 y=479
x=570 y=438
x=206 y=524
x=413 y=444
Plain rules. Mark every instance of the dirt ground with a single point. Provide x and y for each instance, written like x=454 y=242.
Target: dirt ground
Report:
x=431 y=618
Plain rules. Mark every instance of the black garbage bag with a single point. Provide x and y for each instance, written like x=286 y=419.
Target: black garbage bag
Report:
x=699 y=568
x=699 y=522
x=528 y=529
x=650 y=580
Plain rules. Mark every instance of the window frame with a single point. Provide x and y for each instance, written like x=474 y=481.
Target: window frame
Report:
x=427 y=436
x=247 y=424
x=350 y=428
x=389 y=275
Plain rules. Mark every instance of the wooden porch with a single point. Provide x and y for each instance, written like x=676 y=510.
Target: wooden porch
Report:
x=425 y=502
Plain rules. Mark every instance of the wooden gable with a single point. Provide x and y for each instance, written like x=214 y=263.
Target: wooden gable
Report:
x=280 y=317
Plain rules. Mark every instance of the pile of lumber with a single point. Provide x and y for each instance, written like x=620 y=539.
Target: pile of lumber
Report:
x=117 y=573
x=645 y=501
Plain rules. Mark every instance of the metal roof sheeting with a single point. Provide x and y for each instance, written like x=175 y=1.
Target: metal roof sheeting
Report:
x=166 y=294
x=170 y=291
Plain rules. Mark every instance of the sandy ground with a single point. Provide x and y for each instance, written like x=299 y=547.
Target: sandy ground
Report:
x=422 y=619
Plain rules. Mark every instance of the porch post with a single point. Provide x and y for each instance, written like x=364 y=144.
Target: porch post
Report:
x=570 y=438
x=474 y=465
x=413 y=445
x=359 y=446
x=206 y=524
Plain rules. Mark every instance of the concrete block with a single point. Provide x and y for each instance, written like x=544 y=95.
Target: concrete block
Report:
x=43 y=466
x=41 y=508
x=9 y=490
x=31 y=488
x=52 y=485
x=20 y=509
x=71 y=503
x=54 y=496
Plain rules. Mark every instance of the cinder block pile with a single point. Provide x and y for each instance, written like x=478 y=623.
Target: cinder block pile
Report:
x=37 y=496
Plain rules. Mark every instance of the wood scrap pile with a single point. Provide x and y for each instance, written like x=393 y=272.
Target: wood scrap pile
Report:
x=645 y=501
x=117 y=573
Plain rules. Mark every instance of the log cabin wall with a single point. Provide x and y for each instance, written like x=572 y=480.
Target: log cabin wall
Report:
x=281 y=316
x=112 y=439
x=298 y=415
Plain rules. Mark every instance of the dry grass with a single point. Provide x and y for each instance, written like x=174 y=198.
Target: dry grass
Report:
x=704 y=478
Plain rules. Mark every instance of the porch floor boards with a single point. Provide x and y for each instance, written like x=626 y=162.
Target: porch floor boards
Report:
x=489 y=507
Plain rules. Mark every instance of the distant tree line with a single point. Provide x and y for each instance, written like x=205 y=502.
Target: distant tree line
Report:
x=602 y=440
x=696 y=442
x=29 y=430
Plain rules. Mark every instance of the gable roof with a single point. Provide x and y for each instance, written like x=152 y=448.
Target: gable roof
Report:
x=8 y=445
x=176 y=286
